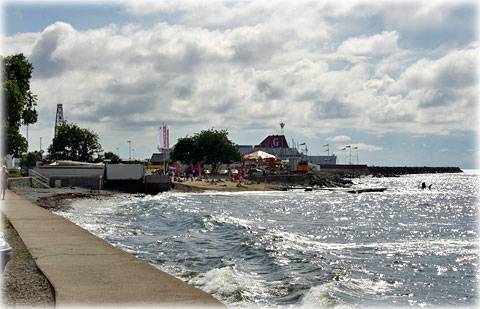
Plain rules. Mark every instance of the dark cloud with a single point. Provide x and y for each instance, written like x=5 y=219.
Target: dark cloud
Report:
x=270 y=92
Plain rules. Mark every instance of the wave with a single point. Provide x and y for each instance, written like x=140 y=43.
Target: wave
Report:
x=237 y=288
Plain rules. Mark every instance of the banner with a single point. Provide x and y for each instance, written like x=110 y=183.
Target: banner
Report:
x=163 y=137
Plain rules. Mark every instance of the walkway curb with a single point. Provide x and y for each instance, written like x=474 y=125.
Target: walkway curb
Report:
x=85 y=270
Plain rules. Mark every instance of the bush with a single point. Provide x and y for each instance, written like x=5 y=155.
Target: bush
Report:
x=13 y=172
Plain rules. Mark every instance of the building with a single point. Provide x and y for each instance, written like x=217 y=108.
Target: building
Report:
x=277 y=145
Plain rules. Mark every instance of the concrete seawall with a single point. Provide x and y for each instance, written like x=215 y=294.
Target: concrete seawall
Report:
x=84 y=270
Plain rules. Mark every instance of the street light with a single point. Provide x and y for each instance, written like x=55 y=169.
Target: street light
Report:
x=350 y=161
x=133 y=153
x=129 y=149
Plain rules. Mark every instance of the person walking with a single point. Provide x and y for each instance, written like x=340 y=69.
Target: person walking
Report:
x=4 y=180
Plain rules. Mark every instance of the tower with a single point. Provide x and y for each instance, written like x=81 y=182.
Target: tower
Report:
x=59 y=119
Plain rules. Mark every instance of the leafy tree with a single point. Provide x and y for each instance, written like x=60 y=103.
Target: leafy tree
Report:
x=20 y=101
x=209 y=146
x=215 y=148
x=31 y=158
x=16 y=143
x=112 y=157
x=184 y=150
x=74 y=143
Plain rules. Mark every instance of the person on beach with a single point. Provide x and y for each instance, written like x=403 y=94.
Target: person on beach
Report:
x=424 y=185
x=4 y=180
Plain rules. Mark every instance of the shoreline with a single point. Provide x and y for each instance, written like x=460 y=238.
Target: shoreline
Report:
x=85 y=270
x=19 y=291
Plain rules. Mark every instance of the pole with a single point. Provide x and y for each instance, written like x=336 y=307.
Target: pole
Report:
x=129 y=149
x=118 y=152
x=350 y=161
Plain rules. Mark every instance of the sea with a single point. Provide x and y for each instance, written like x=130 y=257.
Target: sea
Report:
x=404 y=247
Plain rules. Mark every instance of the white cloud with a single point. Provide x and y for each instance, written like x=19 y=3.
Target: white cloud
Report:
x=383 y=43
x=455 y=70
x=367 y=147
x=244 y=65
x=339 y=138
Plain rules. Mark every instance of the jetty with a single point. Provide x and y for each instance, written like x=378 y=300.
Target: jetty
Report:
x=84 y=270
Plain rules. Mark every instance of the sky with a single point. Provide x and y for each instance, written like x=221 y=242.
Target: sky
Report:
x=397 y=79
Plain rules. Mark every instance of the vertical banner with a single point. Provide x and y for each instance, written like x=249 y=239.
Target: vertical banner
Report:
x=168 y=138
x=164 y=145
x=163 y=137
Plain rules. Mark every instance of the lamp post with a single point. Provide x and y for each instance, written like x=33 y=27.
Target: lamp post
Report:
x=350 y=161
x=357 y=153
x=129 y=149
x=133 y=153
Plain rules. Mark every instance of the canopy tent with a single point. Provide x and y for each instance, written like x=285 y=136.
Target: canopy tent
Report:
x=258 y=155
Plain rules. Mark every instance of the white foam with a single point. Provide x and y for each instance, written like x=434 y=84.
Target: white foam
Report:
x=323 y=296
x=231 y=286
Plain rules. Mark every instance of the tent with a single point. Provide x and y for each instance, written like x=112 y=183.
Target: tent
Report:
x=258 y=155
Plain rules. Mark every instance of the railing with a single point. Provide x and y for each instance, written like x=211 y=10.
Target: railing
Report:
x=39 y=178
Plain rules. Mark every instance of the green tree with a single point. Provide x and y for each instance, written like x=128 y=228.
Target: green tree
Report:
x=209 y=146
x=74 y=143
x=114 y=159
x=19 y=100
x=16 y=143
x=184 y=150
x=31 y=158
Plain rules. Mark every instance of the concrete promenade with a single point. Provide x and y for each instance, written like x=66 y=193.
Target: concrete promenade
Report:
x=84 y=270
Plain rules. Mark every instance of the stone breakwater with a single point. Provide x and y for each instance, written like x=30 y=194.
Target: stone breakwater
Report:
x=387 y=171
x=339 y=175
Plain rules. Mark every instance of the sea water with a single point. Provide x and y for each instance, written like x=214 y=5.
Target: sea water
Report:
x=403 y=247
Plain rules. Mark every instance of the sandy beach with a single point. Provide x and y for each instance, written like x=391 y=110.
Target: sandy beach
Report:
x=222 y=185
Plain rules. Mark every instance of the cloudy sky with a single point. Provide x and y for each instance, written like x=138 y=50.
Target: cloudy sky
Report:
x=397 y=79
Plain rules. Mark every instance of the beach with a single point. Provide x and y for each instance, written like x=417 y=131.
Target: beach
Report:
x=222 y=185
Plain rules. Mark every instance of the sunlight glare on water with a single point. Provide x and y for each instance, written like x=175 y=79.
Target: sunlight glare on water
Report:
x=405 y=246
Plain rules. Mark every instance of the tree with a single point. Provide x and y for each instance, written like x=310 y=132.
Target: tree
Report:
x=209 y=146
x=16 y=143
x=112 y=157
x=20 y=101
x=31 y=158
x=74 y=143
x=184 y=150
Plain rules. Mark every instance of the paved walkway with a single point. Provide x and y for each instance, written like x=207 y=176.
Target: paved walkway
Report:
x=85 y=270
